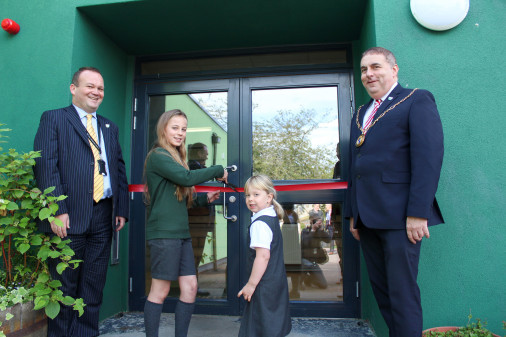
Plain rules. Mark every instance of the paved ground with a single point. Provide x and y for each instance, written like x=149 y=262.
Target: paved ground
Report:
x=132 y=325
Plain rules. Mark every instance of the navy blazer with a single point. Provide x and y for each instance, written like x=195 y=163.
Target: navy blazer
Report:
x=67 y=163
x=395 y=173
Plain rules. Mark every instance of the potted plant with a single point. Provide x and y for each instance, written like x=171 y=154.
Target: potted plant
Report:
x=470 y=330
x=24 y=273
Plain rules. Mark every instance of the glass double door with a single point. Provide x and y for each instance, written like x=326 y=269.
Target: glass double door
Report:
x=291 y=128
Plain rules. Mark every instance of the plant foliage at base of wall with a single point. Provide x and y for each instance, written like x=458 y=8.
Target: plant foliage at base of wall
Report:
x=476 y=329
x=24 y=251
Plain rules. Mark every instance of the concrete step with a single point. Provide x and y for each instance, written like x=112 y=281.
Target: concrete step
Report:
x=131 y=324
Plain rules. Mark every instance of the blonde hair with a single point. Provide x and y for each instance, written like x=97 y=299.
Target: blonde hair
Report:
x=177 y=153
x=264 y=183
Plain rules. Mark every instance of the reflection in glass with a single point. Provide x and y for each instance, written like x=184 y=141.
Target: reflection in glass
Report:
x=206 y=143
x=295 y=132
x=313 y=260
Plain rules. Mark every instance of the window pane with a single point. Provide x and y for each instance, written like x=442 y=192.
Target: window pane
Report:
x=295 y=132
x=312 y=247
x=206 y=143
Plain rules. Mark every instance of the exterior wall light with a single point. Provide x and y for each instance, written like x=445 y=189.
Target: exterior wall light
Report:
x=439 y=14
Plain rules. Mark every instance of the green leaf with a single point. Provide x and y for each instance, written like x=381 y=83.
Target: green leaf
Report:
x=6 y=221
x=53 y=309
x=43 y=253
x=43 y=278
x=61 y=267
x=53 y=208
x=55 y=284
x=18 y=193
x=34 y=194
x=44 y=213
x=12 y=206
x=55 y=239
x=8 y=316
x=49 y=190
x=54 y=254
x=42 y=292
x=23 y=248
x=27 y=204
x=67 y=300
x=36 y=241
x=40 y=302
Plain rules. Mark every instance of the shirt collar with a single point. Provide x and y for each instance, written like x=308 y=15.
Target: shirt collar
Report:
x=269 y=211
x=82 y=113
x=389 y=91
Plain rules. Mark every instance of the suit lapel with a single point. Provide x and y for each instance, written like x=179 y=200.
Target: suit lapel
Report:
x=105 y=130
x=392 y=97
x=73 y=118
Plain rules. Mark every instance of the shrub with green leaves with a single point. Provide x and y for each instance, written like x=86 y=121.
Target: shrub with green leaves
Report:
x=24 y=273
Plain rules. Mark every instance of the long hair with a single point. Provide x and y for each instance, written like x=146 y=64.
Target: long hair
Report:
x=264 y=183
x=177 y=153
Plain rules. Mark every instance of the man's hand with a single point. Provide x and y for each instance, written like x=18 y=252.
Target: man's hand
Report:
x=120 y=223
x=416 y=229
x=61 y=231
x=354 y=231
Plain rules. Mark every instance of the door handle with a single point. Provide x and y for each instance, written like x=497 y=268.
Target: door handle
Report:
x=232 y=198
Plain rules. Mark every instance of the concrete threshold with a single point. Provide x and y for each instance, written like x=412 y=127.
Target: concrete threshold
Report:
x=131 y=324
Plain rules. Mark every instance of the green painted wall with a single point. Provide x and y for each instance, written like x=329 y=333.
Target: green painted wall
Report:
x=36 y=67
x=463 y=264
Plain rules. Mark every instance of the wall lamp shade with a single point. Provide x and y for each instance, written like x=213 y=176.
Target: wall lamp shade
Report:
x=10 y=26
x=439 y=14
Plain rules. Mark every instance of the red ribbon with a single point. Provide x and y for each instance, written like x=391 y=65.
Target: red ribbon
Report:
x=280 y=188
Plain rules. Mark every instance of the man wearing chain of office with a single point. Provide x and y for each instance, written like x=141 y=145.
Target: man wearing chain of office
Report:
x=396 y=153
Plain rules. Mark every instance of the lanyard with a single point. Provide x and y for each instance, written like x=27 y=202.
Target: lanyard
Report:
x=98 y=137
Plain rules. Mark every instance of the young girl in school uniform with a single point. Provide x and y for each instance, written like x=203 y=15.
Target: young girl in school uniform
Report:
x=170 y=192
x=267 y=313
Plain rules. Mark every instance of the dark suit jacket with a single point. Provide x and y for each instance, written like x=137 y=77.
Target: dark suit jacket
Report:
x=67 y=163
x=395 y=173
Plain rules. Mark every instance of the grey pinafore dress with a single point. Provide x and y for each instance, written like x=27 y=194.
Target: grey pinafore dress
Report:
x=268 y=313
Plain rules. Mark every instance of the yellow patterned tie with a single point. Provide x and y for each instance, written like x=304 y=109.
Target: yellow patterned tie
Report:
x=98 y=179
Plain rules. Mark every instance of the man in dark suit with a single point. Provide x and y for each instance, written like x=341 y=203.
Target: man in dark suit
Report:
x=81 y=158
x=396 y=153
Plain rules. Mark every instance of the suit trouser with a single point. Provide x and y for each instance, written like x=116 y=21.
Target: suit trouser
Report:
x=88 y=280
x=392 y=264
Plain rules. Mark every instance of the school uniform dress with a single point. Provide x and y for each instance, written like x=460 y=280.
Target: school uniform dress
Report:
x=268 y=313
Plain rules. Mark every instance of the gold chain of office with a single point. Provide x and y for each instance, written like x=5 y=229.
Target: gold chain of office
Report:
x=361 y=138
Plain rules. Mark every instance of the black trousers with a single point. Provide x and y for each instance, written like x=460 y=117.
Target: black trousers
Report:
x=392 y=264
x=88 y=280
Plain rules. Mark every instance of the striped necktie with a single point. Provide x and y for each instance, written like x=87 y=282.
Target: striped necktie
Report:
x=377 y=103
x=98 y=179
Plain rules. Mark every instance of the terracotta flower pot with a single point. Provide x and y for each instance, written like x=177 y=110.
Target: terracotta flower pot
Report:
x=446 y=328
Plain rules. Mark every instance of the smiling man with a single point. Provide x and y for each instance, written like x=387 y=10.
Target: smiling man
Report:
x=396 y=153
x=82 y=159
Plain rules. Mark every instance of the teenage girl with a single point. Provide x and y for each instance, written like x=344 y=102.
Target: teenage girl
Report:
x=169 y=193
x=266 y=312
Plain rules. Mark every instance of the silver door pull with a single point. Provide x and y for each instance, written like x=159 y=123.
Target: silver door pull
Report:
x=232 y=218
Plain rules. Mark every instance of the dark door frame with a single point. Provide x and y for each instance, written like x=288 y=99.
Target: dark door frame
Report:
x=239 y=120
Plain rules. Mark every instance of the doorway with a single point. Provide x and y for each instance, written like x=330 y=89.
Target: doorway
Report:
x=293 y=128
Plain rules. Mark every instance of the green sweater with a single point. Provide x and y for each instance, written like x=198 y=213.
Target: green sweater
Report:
x=168 y=217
